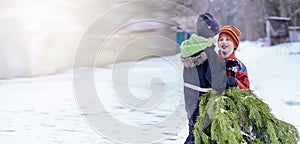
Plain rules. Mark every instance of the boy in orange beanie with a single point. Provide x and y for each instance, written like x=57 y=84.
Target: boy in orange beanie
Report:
x=228 y=43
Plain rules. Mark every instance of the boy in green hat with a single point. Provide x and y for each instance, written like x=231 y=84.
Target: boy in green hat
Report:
x=203 y=70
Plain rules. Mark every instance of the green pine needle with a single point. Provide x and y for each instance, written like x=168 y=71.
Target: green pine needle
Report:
x=239 y=116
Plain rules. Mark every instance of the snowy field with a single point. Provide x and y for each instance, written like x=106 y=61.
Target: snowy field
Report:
x=46 y=109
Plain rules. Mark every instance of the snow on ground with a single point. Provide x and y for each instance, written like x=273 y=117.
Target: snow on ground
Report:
x=274 y=73
x=45 y=109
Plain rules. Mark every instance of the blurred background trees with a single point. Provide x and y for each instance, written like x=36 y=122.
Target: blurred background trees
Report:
x=42 y=37
x=248 y=15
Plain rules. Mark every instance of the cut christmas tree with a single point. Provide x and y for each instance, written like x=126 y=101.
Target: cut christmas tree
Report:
x=239 y=116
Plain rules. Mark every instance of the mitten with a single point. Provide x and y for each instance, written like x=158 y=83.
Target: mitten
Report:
x=232 y=65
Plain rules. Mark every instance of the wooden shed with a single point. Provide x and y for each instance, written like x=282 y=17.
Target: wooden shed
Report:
x=277 y=30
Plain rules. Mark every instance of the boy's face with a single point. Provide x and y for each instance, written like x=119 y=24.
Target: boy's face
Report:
x=226 y=46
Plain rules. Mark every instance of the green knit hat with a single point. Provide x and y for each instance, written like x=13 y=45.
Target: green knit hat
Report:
x=193 y=45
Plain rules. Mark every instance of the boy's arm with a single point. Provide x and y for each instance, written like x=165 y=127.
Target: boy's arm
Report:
x=242 y=79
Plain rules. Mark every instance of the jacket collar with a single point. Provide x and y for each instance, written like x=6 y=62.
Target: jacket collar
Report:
x=190 y=62
x=230 y=57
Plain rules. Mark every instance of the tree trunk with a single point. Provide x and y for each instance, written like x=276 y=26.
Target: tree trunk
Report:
x=282 y=9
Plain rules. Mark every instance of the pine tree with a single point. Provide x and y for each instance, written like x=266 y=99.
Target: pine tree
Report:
x=239 y=116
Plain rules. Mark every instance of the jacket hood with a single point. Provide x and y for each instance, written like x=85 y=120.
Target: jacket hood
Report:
x=193 y=45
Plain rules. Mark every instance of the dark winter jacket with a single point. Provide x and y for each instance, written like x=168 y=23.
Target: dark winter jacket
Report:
x=202 y=67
